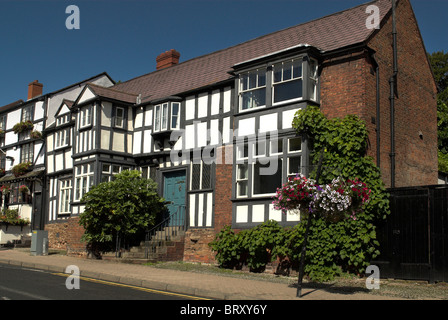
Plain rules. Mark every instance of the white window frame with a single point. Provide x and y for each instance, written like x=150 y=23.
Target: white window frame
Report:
x=314 y=79
x=245 y=88
x=86 y=117
x=239 y=180
x=121 y=118
x=283 y=81
x=65 y=196
x=63 y=119
x=83 y=180
x=177 y=116
x=280 y=167
x=289 y=145
x=27 y=113
x=161 y=117
x=27 y=153
x=62 y=138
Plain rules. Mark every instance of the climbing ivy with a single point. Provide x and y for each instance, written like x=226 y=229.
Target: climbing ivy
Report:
x=346 y=246
x=344 y=142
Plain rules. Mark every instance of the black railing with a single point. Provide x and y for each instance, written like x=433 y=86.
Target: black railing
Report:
x=172 y=226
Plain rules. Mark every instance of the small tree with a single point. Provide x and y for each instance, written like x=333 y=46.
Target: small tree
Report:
x=124 y=207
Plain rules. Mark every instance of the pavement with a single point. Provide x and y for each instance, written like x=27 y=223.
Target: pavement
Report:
x=183 y=282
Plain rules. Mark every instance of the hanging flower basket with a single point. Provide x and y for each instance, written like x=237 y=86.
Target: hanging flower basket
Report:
x=5 y=189
x=21 y=168
x=334 y=202
x=2 y=172
x=35 y=135
x=23 y=126
x=24 y=189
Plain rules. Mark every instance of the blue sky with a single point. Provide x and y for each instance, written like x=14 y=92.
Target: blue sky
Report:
x=123 y=38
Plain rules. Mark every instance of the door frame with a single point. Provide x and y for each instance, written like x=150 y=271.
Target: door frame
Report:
x=184 y=170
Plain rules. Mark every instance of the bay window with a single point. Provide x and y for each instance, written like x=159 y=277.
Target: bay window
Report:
x=280 y=82
x=167 y=116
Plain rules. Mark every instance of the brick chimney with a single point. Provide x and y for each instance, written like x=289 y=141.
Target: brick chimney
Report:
x=167 y=59
x=34 y=89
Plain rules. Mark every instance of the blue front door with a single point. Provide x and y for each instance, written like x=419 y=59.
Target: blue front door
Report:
x=174 y=188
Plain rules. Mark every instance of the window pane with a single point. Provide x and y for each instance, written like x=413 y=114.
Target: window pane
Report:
x=261 y=79
x=242 y=189
x=276 y=146
x=267 y=183
x=287 y=71
x=174 y=115
x=277 y=72
x=115 y=169
x=259 y=148
x=206 y=176
x=294 y=164
x=297 y=69
x=164 y=116
x=243 y=151
x=288 y=91
x=157 y=119
x=253 y=99
x=119 y=117
x=295 y=144
x=242 y=172
x=252 y=80
x=243 y=82
x=106 y=168
x=196 y=176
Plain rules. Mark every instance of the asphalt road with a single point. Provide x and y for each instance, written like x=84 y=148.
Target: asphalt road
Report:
x=17 y=283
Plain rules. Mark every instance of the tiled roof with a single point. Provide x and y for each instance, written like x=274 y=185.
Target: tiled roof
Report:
x=11 y=105
x=329 y=33
x=113 y=93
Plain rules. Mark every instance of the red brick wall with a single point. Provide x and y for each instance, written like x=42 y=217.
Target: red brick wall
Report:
x=197 y=240
x=348 y=85
x=67 y=235
x=223 y=190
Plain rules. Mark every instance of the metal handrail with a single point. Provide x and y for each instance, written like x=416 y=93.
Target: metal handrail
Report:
x=163 y=232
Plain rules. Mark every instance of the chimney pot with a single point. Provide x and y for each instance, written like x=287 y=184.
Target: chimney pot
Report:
x=34 y=89
x=167 y=59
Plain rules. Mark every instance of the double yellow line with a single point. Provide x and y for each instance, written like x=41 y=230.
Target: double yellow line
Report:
x=132 y=287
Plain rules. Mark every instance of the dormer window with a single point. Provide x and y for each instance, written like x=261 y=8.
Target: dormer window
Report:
x=63 y=119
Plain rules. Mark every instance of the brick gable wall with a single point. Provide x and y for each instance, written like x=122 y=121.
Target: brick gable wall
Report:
x=348 y=85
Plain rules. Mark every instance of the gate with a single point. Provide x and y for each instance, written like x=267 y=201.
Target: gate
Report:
x=414 y=238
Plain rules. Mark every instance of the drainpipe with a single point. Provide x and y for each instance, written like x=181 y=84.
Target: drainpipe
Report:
x=393 y=83
x=378 y=115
